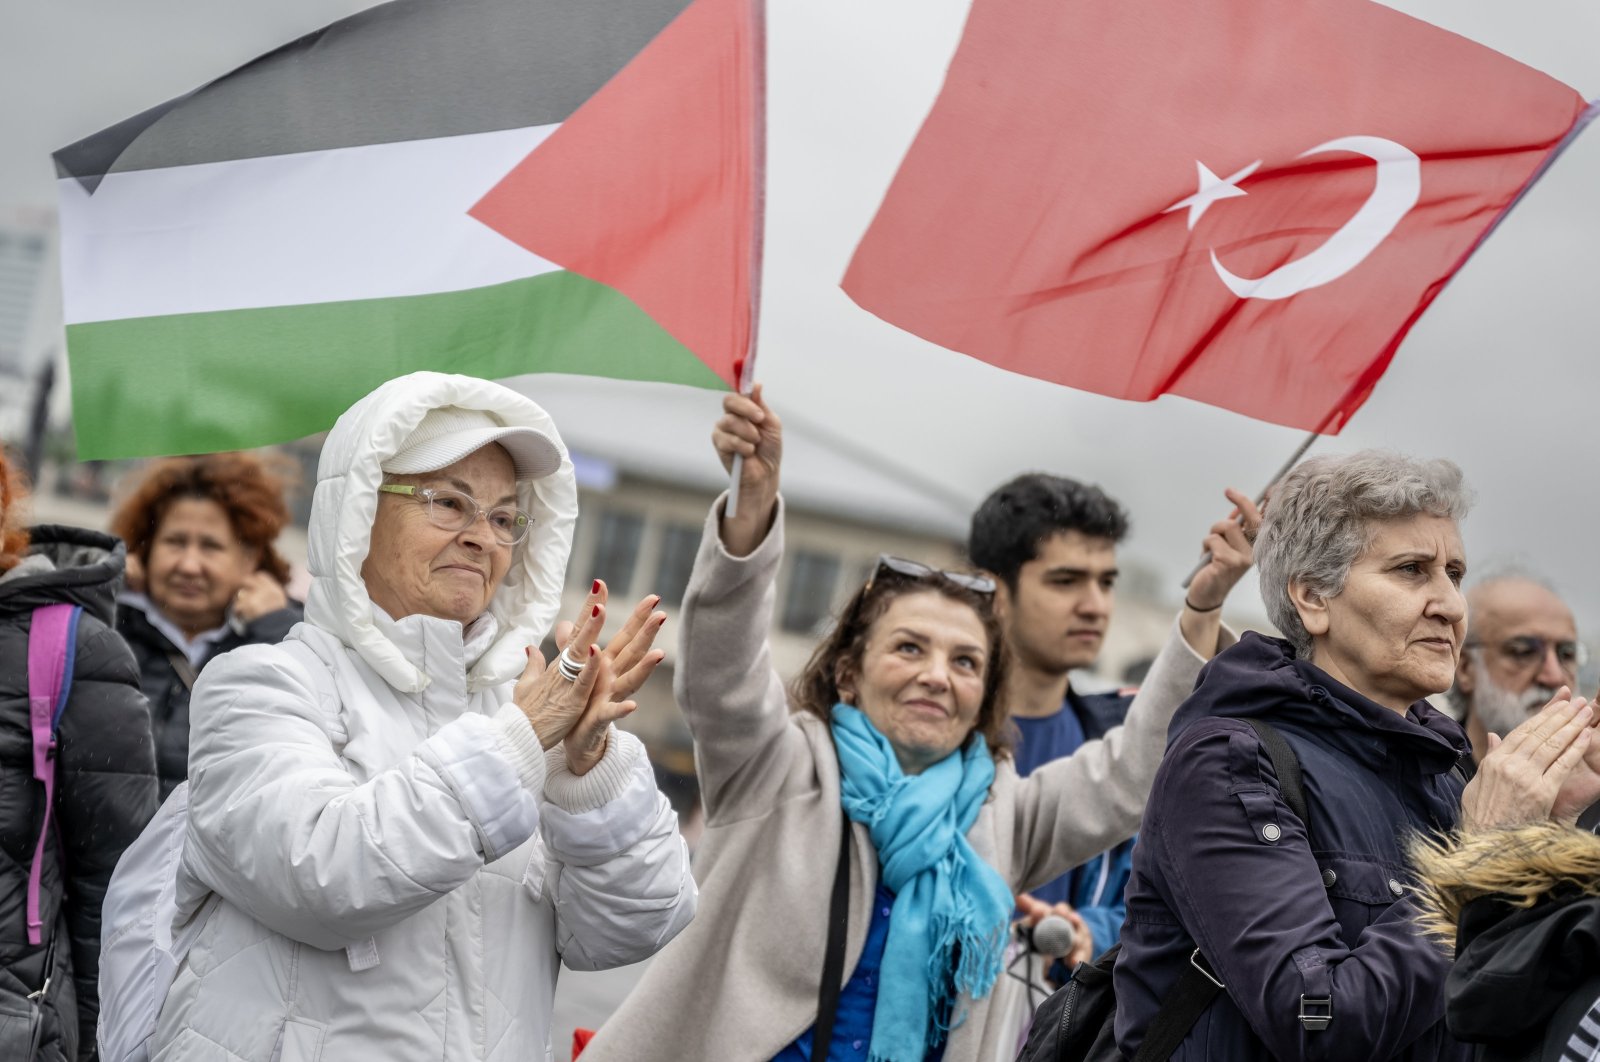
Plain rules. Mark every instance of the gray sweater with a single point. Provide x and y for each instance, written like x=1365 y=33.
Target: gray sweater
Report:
x=741 y=982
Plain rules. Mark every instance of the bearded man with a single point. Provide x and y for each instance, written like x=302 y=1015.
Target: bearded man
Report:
x=1522 y=646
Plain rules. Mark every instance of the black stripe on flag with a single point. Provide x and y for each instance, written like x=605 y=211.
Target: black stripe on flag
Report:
x=405 y=70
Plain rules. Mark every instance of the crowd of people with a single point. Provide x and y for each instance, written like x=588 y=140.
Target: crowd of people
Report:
x=398 y=820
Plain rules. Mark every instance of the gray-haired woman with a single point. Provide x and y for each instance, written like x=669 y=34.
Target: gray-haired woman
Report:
x=1310 y=925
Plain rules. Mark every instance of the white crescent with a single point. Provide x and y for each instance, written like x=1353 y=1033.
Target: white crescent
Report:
x=1394 y=193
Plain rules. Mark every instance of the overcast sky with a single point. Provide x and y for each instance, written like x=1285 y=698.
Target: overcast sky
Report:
x=1502 y=374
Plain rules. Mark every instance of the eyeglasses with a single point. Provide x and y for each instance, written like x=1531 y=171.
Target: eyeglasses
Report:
x=980 y=584
x=451 y=510
x=1527 y=651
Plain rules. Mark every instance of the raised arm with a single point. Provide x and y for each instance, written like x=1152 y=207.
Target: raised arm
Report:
x=1080 y=805
x=725 y=683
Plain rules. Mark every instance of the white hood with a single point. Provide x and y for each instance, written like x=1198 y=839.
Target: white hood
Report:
x=346 y=502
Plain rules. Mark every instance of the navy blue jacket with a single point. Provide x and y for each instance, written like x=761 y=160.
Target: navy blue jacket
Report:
x=1223 y=864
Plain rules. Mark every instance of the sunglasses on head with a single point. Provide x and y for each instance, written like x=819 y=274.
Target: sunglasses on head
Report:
x=979 y=584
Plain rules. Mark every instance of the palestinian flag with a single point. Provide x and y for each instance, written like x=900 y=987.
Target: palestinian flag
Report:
x=490 y=187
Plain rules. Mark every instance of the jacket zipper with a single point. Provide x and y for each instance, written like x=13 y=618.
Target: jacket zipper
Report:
x=1066 y=1019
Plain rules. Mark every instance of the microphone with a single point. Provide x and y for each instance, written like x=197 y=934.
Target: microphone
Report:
x=1053 y=936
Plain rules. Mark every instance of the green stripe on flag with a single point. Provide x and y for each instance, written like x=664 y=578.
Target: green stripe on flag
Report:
x=197 y=383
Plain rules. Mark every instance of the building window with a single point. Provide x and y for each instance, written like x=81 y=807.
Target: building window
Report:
x=616 y=549
x=810 y=597
x=679 y=544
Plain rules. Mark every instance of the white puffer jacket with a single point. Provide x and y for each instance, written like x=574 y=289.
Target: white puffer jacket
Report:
x=388 y=865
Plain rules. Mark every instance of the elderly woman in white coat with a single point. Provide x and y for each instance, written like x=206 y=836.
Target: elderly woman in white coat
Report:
x=401 y=821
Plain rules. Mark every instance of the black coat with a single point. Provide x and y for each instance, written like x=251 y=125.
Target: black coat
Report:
x=105 y=790
x=165 y=688
x=1525 y=979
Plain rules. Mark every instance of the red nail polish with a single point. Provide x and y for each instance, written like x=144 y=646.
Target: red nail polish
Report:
x=595 y=589
x=592 y=650
x=596 y=611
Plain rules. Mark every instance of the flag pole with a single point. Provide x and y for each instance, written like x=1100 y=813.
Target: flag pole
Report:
x=1294 y=459
x=758 y=210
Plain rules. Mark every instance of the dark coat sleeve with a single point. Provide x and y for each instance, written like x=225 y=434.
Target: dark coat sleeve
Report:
x=270 y=628
x=1259 y=913
x=106 y=793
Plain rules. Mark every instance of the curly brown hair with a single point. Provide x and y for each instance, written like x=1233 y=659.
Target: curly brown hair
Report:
x=13 y=513
x=816 y=688
x=243 y=484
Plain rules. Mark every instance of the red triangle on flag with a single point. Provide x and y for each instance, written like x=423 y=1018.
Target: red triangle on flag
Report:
x=651 y=186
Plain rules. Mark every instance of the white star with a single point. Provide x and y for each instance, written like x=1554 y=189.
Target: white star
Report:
x=1212 y=188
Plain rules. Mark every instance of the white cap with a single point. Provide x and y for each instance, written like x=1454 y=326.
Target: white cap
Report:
x=449 y=433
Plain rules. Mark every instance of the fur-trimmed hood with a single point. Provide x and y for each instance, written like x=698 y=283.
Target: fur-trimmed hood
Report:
x=346 y=503
x=1520 y=866
x=1523 y=908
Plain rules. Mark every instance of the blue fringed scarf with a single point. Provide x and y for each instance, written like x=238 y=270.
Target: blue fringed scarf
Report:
x=944 y=894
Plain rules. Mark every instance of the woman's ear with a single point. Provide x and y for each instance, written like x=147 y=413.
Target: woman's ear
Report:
x=1311 y=605
x=844 y=682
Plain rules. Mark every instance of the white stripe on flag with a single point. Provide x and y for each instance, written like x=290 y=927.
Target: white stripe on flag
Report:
x=321 y=226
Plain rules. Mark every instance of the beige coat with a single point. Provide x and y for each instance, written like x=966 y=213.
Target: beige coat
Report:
x=741 y=982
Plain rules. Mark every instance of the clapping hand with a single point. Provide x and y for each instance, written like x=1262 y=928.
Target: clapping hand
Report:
x=1545 y=768
x=577 y=712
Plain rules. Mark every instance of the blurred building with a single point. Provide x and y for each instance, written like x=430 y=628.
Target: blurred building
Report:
x=27 y=252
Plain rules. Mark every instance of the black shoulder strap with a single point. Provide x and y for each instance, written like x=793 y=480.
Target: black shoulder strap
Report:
x=1287 y=766
x=1198 y=986
x=185 y=670
x=833 y=957
x=1181 y=1008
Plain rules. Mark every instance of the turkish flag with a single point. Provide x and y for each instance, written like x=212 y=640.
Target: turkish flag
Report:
x=1245 y=202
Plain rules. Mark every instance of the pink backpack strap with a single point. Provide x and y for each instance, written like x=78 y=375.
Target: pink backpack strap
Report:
x=52 y=643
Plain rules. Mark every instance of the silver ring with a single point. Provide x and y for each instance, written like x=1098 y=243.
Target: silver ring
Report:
x=569 y=668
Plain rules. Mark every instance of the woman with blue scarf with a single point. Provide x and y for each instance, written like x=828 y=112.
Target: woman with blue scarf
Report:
x=866 y=832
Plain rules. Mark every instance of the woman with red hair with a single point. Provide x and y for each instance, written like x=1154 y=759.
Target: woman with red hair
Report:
x=54 y=870
x=201 y=530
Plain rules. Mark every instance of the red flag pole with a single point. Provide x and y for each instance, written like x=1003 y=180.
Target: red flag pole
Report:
x=758 y=211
